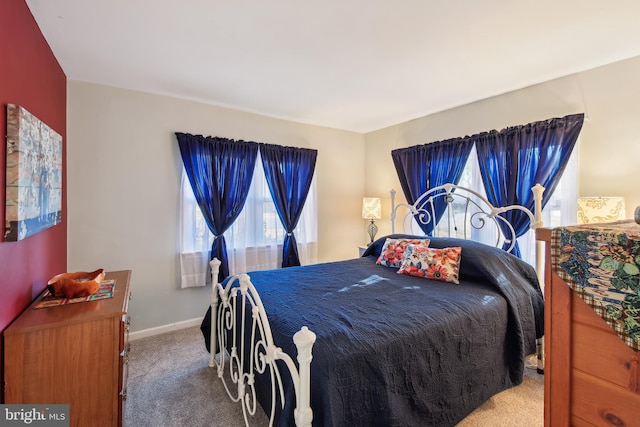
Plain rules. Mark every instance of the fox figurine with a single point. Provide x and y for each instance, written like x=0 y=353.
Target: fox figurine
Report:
x=75 y=285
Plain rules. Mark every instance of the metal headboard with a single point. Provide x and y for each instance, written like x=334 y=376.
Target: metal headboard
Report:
x=467 y=213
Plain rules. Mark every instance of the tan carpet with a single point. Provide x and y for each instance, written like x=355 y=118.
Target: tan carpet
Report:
x=170 y=384
x=521 y=406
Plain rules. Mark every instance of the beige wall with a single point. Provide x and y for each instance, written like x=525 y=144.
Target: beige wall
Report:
x=124 y=165
x=123 y=179
x=609 y=147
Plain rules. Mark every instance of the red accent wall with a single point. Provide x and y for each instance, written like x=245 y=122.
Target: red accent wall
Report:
x=31 y=77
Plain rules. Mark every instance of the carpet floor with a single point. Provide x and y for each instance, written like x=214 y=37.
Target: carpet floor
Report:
x=170 y=384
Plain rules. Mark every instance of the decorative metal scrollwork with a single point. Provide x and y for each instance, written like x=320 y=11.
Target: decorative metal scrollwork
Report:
x=240 y=331
x=464 y=210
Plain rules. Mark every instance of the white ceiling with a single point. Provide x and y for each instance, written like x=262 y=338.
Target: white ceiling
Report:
x=358 y=65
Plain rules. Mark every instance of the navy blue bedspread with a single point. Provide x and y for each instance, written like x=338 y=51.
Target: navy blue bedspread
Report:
x=396 y=350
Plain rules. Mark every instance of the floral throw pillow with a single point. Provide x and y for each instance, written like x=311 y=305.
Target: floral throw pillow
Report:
x=436 y=264
x=392 y=252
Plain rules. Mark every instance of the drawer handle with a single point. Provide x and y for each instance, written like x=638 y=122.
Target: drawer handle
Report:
x=125 y=355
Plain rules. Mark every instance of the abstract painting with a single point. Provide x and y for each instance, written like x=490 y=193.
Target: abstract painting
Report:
x=33 y=176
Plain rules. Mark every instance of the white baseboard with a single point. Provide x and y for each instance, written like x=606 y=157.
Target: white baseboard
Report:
x=164 y=328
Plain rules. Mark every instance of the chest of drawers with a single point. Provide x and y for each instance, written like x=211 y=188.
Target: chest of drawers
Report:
x=591 y=377
x=72 y=354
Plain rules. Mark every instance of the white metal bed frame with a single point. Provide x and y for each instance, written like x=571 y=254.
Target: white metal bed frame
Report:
x=477 y=212
x=226 y=312
x=230 y=303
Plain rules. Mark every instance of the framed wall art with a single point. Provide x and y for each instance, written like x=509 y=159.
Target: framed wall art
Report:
x=33 y=175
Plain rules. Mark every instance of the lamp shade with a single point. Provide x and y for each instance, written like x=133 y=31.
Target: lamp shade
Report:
x=371 y=208
x=600 y=209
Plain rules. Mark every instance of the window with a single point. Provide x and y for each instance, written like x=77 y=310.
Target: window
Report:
x=475 y=228
x=254 y=241
x=560 y=210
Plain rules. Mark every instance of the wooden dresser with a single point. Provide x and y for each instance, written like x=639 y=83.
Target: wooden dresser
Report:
x=591 y=376
x=72 y=354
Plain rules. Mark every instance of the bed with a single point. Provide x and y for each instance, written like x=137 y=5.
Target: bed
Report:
x=374 y=347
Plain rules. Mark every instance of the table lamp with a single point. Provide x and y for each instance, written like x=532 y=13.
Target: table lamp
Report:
x=600 y=209
x=371 y=210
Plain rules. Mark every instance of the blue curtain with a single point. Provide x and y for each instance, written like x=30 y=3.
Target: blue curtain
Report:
x=515 y=159
x=220 y=171
x=288 y=171
x=427 y=166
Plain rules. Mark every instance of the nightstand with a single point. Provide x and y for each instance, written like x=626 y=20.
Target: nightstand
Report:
x=361 y=250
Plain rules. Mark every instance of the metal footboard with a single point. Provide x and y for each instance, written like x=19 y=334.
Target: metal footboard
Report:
x=232 y=330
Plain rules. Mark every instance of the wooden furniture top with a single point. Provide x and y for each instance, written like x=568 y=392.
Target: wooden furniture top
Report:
x=543 y=234
x=78 y=312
